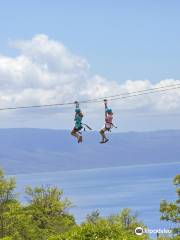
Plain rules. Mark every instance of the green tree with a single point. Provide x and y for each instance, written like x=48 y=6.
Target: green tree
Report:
x=20 y=225
x=14 y=222
x=98 y=228
x=49 y=212
x=102 y=230
x=7 y=201
x=171 y=210
x=93 y=217
x=126 y=219
x=44 y=215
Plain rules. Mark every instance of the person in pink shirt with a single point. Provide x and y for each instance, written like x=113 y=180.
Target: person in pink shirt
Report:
x=108 y=123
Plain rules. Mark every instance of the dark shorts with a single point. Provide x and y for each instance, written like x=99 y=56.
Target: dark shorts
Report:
x=77 y=129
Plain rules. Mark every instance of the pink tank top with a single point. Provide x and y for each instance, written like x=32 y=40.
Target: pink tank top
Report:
x=108 y=120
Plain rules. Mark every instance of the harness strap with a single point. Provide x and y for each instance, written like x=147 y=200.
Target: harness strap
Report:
x=84 y=128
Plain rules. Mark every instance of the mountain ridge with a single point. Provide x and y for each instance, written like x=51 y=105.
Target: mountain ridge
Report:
x=31 y=150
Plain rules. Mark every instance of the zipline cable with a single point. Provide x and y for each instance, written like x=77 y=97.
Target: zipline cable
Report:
x=138 y=94
x=140 y=91
x=111 y=98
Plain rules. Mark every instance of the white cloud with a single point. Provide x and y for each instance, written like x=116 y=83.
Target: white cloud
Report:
x=46 y=72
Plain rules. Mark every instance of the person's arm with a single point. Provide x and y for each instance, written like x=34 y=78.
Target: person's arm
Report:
x=105 y=105
x=76 y=106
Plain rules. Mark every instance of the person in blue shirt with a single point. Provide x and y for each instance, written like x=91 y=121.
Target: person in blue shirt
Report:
x=78 y=123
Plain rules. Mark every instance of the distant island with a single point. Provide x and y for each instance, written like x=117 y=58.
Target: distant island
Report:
x=40 y=150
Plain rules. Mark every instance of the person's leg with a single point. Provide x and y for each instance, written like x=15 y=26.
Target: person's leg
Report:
x=102 y=133
x=80 y=139
x=74 y=133
x=105 y=138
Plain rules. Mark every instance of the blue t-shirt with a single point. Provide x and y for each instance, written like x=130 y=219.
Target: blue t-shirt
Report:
x=78 y=121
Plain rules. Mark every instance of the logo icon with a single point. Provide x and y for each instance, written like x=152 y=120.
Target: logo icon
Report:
x=139 y=231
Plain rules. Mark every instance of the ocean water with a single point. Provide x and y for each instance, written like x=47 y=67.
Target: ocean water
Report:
x=139 y=187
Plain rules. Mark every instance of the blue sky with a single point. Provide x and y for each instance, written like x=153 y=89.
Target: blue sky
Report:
x=121 y=39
